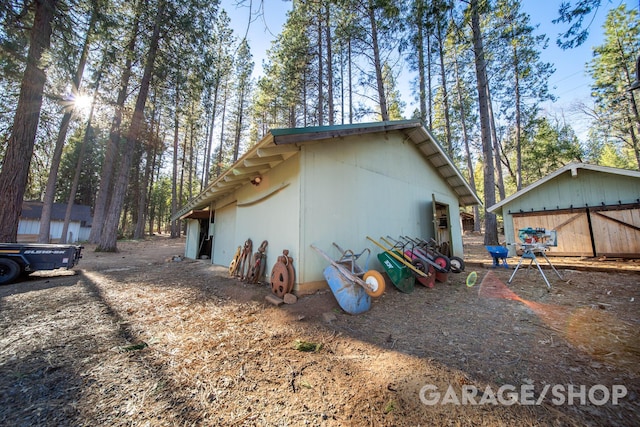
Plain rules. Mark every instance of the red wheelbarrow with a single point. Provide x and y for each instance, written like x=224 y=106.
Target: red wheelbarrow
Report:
x=399 y=266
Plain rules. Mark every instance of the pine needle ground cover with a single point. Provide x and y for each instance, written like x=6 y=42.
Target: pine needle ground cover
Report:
x=136 y=338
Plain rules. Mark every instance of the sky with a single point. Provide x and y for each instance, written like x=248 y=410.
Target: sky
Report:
x=570 y=82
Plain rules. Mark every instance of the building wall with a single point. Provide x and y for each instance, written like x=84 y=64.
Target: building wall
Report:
x=268 y=211
x=589 y=187
x=224 y=233
x=28 y=230
x=374 y=185
x=84 y=233
x=191 y=242
x=335 y=191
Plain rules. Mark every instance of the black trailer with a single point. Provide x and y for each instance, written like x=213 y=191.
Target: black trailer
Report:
x=24 y=258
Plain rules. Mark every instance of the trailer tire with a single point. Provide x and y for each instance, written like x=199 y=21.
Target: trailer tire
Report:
x=9 y=270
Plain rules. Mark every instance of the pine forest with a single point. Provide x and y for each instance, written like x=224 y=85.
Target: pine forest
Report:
x=133 y=107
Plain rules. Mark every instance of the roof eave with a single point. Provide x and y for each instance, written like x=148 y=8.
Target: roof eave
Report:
x=439 y=159
x=284 y=143
x=571 y=167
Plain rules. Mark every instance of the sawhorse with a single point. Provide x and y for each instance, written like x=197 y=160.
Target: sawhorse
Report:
x=529 y=252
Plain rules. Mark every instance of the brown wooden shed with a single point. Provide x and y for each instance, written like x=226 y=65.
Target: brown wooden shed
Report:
x=594 y=209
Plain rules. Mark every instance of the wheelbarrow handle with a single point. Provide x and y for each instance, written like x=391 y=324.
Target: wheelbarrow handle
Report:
x=399 y=258
x=348 y=254
x=397 y=245
x=343 y=270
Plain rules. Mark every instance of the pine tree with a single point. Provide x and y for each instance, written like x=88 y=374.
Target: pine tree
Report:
x=612 y=70
x=17 y=158
x=491 y=225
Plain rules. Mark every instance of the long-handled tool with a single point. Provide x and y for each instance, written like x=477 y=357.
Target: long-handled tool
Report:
x=371 y=280
x=350 y=284
x=401 y=258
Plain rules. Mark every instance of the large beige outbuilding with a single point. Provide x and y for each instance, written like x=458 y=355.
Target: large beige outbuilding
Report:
x=320 y=185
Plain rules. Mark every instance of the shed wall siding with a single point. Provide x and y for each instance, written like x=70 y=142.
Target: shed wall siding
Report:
x=84 y=234
x=224 y=234
x=589 y=187
x=28 y=230
x=269 y=211
x=193 y=235
x=335 y=191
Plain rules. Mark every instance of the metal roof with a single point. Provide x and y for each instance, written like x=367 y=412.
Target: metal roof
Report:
x=33 y=210
x=571 y=167
x=280 y=144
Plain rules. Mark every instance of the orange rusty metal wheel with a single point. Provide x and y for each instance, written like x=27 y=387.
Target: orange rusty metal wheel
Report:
x=376 y=281
x=233 y=267
x=280 y=278
x=292 y=273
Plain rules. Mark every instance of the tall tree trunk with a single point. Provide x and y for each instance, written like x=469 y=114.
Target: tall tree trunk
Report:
x=133 y=192
x=138 y=233
x=350 y=87
x=496 y=147
x=206 y=160
x=181 y=182
x=225 y=95
x=50 y=189
x=214 y=108
x=341 y=85
x=157 y=147
x=429 y=82
x=108 y=240
x=17 y=158
x=175 y=226
x=239 y=117
x=192 y=163
x=329 y=66
x=88 y=134
x=491 y=224
x=145 y=191
x=320 y=70
x=113 y=143
x=467 y=148
x=422 y=90
x=445 y=94
x=377 y=62
x=516 y=73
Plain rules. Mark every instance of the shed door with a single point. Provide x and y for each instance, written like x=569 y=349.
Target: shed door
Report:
x=442 y=225
x=616 y=231
x=574 y=237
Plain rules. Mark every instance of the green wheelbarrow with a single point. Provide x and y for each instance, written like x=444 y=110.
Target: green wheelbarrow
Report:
x=400 y=269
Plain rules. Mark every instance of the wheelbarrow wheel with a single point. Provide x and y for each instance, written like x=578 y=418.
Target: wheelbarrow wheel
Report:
x=419 y=264
x=376 y=281
x=443 y=262
x=457 y=264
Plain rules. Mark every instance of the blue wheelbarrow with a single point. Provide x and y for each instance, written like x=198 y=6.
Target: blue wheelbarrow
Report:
x=352 y=286
x=498 y=253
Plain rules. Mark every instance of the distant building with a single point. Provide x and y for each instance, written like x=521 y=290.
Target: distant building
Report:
x=595 y=211
x=468 y=223
x=79 y=226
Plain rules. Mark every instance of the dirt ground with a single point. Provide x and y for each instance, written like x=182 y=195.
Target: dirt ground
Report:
x=137 y=339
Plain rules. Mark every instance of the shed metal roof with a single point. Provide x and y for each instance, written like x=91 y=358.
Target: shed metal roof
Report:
x=33 y=210
x=571 y=168
x=280 y=144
